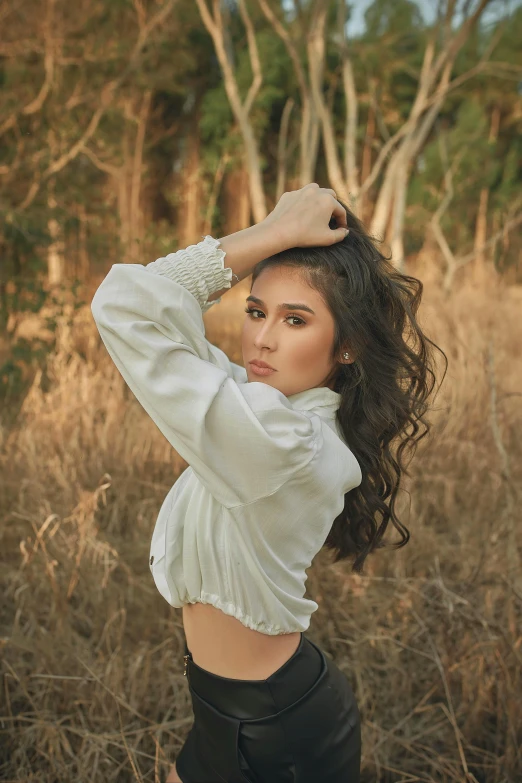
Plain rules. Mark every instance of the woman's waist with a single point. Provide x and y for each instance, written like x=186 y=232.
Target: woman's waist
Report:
x=223 y=645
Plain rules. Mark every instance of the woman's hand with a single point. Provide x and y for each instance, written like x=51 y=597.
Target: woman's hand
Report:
x=301 y=217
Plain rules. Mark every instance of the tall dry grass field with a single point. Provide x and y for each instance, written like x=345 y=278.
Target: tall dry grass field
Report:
x=430 y=637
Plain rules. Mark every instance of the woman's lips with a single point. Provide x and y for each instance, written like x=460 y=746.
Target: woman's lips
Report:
x=261 y=370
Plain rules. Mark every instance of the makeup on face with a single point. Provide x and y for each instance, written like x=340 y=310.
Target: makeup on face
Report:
x=289 y=327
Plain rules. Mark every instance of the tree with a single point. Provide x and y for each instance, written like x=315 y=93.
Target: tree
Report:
x=323 y=22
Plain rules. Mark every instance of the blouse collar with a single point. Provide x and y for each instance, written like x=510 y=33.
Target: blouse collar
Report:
x=325 y=400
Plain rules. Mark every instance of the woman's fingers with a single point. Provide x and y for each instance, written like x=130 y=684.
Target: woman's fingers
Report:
x=306 y=214
x=339 y=213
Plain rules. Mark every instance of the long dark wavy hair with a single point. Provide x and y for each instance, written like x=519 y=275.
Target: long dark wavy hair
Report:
x=384 y=391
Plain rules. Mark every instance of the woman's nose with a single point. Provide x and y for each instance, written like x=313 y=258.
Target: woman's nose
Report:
x=264 y=339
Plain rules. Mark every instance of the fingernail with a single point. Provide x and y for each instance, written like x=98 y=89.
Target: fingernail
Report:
x=346 y=230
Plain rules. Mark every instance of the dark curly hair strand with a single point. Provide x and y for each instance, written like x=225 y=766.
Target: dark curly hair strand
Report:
x=385 y=390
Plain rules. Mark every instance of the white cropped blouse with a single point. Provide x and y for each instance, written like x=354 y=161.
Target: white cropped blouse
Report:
x=267 y=473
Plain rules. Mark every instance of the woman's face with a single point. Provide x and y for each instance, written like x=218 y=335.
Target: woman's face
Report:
x=295 y=342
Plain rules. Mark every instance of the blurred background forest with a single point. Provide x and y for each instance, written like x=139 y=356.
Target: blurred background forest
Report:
x=130 y=128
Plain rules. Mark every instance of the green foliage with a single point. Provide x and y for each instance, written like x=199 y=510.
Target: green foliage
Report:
x=391 y=16
x=475 y=162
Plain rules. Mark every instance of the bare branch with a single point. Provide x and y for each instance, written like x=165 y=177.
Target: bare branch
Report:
x=454 y=44
x=281 y=148
x=409 y=125
x=350 y=131
x=453 y=262
x=140 y=13
x=216 y=185
x=508 y=226
x=285 y=37
x=214 y=25
x=106 y=98
x=444 y=204
x=30 y=195
x=9 y=123
x=143 y=36
x=316 y=56
x=108 y=168
x=385 y=133
x=74 y=98
x=254 y=58
x=38 y=102
x=66 y=158
x=137 y=167
x=309 y=120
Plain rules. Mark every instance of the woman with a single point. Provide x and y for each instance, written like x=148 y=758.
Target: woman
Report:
x=282 y=461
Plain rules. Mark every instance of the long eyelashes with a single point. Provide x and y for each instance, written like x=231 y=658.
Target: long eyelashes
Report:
x=251 y=310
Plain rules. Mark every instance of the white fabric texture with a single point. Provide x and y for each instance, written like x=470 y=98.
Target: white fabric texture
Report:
x=267 y=473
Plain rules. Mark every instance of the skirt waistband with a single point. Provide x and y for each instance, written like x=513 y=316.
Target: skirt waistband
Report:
x=260 y=698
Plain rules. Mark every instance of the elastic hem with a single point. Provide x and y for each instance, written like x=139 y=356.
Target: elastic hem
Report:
x=234 y=611
x=200 y=269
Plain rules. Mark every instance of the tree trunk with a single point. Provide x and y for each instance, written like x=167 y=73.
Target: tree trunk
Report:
x=383 y=205
x=240 y=109
x=236 y=201
x=282 y=148
x=212 y=197
x=55 y=250
x=397 y=222
x=481 y=232
x=478 y=271
x=123 y=195
x=189 y=214
x=136 y=214
x=310 y=123
x=82 y=264
x=367 y=161
x=351 y=169
x=129 y=178
x=316 y=56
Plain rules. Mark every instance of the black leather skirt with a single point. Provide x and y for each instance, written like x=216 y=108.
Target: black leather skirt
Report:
x=300 y=725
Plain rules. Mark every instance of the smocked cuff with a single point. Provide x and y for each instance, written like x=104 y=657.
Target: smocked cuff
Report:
x=198 y=268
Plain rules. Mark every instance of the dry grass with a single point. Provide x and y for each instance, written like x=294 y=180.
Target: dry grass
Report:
x=430 y=638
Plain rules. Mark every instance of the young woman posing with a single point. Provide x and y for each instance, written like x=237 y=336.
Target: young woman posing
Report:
x=281 y=462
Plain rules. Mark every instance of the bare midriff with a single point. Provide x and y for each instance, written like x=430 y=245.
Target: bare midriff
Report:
x=221 y=644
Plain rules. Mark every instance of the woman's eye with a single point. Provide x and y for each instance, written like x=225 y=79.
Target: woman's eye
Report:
x=296 y=318
x=251 y=310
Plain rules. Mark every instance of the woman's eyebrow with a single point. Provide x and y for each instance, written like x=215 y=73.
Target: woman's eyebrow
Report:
x=283 y=306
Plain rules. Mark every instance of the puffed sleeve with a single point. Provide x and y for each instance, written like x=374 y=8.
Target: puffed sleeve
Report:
x=243 y=440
